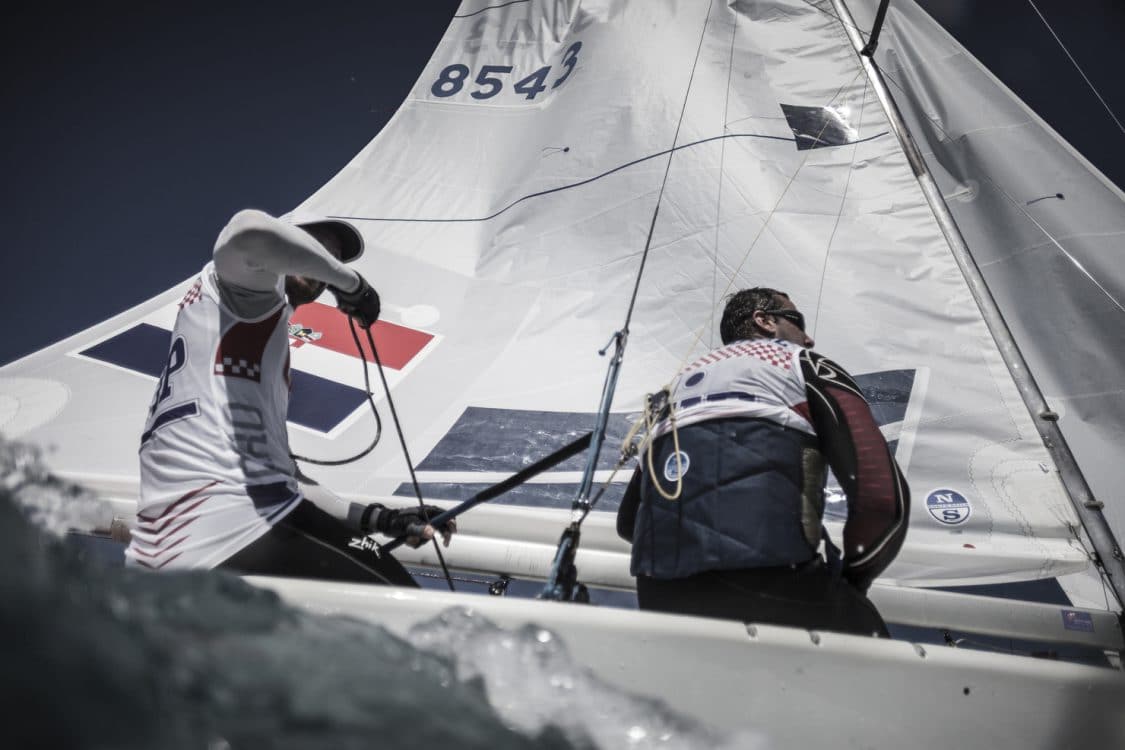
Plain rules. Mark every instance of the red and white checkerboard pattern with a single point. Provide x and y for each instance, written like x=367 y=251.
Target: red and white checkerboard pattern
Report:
x=242 y=369
x=193 y=294
x=767 y=350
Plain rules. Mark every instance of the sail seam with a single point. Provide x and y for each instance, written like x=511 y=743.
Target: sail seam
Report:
x=491 y=7
x=840 y=213
x=722 y=167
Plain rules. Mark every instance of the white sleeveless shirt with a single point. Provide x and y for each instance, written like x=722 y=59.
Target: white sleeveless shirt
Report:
x=215 y=467
x=757 y=378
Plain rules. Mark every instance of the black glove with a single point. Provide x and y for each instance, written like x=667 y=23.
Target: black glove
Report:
x=362 y=304
x=408 y=522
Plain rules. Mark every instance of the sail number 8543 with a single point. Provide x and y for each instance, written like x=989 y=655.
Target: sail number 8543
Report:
x=453 y=77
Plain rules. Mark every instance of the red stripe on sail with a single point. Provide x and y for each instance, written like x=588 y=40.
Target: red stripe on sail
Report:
x=397 y=344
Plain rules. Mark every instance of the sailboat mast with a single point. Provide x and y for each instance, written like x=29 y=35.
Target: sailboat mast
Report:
x=1046 y=420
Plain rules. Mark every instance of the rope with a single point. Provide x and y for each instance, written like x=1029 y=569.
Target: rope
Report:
x=650 y=425
x=370 y=400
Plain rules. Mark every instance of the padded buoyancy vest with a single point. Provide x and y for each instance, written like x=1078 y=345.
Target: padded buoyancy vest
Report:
x=752 y=496
x=753 y=474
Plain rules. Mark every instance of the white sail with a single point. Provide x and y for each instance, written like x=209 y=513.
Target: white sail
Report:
x=507 y=212
x=1043 y=223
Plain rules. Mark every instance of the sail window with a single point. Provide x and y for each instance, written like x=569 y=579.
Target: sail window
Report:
x=819 y=127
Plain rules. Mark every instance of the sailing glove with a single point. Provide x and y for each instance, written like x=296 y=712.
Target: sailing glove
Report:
x=362 y=304
x=408 y=522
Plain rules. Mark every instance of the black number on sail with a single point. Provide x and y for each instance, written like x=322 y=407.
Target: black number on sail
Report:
x=489 y=81
x=569 y=60
x=453 y=77
x=449 y=84
x=534 y=83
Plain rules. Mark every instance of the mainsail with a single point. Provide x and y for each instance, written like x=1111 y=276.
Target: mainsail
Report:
x=507 y=207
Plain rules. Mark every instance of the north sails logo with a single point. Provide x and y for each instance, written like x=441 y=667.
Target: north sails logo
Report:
x=948 y=506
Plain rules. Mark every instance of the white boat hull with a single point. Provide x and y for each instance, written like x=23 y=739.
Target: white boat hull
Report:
x=796 y=687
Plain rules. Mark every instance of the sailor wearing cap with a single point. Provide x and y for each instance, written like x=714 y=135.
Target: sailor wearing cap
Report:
x=219 y=487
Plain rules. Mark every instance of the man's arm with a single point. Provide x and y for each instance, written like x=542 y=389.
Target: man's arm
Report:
x=878 y=496
x=255 y=250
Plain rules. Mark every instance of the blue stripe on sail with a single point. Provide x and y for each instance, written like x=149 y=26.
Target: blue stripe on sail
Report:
x=507 y=440
x=888 y=392
x=143 y=348
x=315 y=402
x=539 y=495
x=319 y=403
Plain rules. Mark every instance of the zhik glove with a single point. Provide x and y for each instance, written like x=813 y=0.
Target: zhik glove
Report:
x=408 y=522
x=361 y=304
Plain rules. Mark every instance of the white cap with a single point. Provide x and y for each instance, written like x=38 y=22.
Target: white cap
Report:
x=351 y=241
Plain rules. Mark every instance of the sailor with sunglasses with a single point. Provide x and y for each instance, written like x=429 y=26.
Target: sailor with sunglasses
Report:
x=725 y=515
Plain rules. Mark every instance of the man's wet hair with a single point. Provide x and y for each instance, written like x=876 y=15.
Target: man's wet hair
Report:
x=738 y=315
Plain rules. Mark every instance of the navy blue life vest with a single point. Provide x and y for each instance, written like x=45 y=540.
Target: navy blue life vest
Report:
x=752 y=497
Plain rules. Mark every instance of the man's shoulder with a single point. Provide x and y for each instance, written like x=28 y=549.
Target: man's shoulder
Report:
x=819 y=368
x=241 y=302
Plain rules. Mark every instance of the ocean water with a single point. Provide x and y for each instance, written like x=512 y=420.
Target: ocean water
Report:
x=99 y=656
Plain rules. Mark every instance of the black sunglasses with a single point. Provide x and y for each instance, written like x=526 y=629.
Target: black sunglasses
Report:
x=795 y=317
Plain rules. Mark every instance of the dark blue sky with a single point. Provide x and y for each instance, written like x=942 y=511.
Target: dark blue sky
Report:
x=132 y=132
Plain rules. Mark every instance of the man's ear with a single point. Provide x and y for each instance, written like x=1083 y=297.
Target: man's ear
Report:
x=763 y=322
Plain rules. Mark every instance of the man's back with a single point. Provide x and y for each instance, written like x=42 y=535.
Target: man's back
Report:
x=215 y=435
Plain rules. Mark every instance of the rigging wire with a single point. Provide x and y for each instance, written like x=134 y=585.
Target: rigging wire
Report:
x=405 y=450
x=645 y=443
x=379 y=431
x=1077 y=67
x=664 y=181
x=562 y=577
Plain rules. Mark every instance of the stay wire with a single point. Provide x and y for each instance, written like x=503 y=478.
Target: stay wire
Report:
x=582 y=504
x=1076 y=65
x=646 y=442
x=405 y=450
x=667 y=170
x=656 y=212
